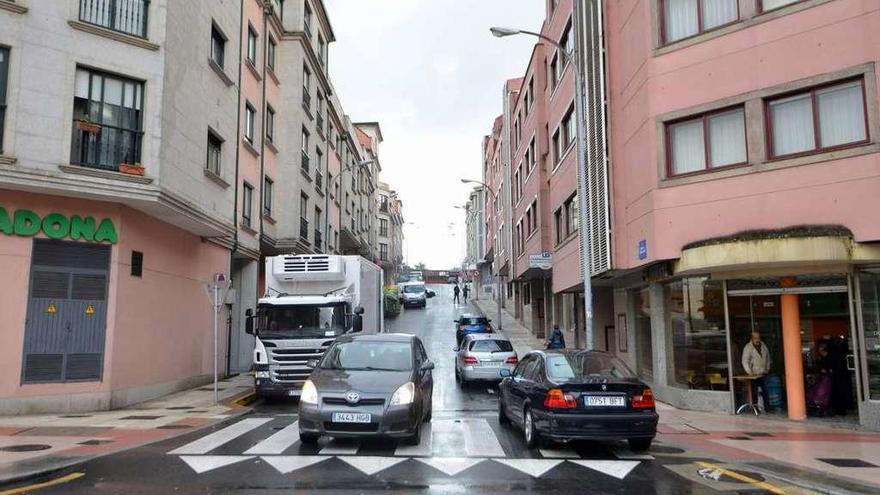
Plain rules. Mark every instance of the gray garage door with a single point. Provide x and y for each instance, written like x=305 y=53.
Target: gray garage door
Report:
x=67 y=312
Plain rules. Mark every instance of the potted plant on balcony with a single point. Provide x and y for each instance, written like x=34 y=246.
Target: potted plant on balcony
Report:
x=131 y=168
x=86 y=125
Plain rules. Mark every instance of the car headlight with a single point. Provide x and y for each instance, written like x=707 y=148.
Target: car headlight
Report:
x=309 y=393
x=404 y=395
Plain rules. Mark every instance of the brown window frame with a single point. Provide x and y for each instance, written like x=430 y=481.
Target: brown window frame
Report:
x=817 y=134
x=707 y=147
x=700 y=30
x=761 y=9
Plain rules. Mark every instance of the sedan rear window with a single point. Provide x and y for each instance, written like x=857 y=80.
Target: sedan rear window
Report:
x=369 y=355
x=491 y=346
x=413 y=289
x=586 y=365
x=473 y=321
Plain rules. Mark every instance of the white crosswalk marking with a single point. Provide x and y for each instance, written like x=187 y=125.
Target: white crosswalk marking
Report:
x=218 y=438
x=288 y=463
x=563 y=453
x=340 y=447
x=278 y=442
x=618 y=469
x=480 y=439
x=632 y=456
x=451 y=465
x=204 y=463
x=424 y=448
x=533 y=467
x=371 y=465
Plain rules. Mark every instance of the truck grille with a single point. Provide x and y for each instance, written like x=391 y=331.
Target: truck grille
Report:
x=288 y=365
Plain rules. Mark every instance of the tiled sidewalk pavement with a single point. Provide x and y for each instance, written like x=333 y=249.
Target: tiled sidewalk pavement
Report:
x=31 y=445
x=830 y=458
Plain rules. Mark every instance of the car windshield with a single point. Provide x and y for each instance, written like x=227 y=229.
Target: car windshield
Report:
x=301 y=322
x=477 y=320
x=369 y=355
x=574 y=367
x=491 y=346
x=413 y=289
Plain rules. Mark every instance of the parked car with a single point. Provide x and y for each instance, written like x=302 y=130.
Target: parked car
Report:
x=377 y=385
x=577 y=395
x=467 y=324
x=482 y=356
x=414 y=294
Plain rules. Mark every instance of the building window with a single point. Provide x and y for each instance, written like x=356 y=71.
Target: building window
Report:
x=270 y=124
x=555 y=70
x=215 y=147
x=709 y=141
x=319 y=167
x=250 y=117
x=529 y=98
x=695 y=316
x=307 y=83
x=307 y=19
x=319 y=114
x=318 y=240
x=686 y=18
x=137 y=264
x=531 y=156
x=107 y=115
x=270 y=53
x=268 y=190
x=567 y=40
x=321 y=47
x=383 y=251
x=817 y=120
x=247 y=204
x=252 y=46
x=303 y=222
x=869 y=288
x=4 y=75
x=767 y=5
x=641 y=301
x=218 y=46
x=566 y=217
x=568 y=130
x=305 y=150
x=383 y=227
x=125 y=16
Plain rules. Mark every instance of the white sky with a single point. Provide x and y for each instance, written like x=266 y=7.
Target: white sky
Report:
x=431 y=74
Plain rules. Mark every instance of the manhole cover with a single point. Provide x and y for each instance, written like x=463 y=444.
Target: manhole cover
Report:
x=174 y=427
x=25 y=448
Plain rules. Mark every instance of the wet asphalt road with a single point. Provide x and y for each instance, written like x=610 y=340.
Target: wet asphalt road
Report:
x=468 y=452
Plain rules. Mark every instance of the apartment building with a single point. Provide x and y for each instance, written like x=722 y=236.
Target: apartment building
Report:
x=147 y=147
x=475 y=263
x=390 y=233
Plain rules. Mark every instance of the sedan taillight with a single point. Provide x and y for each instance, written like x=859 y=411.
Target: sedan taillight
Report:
x=556 y=399
x=470 y=360
x=644 y=401
x=512 y=360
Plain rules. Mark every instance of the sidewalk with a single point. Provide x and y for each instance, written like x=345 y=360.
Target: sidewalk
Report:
x=814 y=455
x=33 y=445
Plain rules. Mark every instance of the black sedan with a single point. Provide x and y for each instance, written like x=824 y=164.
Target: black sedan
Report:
x=367 y=386
x=577 y=395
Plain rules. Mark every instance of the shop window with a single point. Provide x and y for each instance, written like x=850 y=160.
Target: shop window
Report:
x=642 y=326
x=869 y=286
x=695 y=317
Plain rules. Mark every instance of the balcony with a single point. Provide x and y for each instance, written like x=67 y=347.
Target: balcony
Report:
x=124 y=16
x=104 y=147
x=305 y=162
x=318 y=240
x=304 y=229
x=383 y=232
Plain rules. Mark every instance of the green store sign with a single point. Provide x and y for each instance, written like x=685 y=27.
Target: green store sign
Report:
x=26 y=223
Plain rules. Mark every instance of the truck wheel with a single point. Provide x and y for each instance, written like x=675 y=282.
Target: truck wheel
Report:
x=309 y=438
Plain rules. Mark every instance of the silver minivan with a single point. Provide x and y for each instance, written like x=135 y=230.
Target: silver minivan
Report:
x=482 y=356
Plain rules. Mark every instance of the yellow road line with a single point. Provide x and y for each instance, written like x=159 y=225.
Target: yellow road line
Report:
x=45 y=484
x=733 y=474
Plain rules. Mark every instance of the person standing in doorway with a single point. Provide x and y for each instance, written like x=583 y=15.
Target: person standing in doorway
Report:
x=756 y=363
x=465 y=292
x=455 y=292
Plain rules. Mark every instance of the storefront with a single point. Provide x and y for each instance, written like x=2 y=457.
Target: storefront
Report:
x=817 y=322
x=103 y=305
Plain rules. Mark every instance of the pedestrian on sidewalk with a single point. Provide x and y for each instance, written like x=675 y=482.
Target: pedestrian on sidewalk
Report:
x=756 y=363
x=455 y=292
x=465 y=292
x=556 y=340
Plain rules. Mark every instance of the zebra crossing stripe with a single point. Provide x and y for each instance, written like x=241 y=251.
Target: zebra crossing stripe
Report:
x=532 y=467
x=480 y=439
x=204 y=463
x=337 y=447
x=618 y=469
x=451 y=465
x=278 y=442
x=287 y=463
x=371 y=465
x=563 y=453
x=424 y=448
x=218 y=438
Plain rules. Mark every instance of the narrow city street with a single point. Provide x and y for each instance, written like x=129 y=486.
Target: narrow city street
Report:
x=463 y=450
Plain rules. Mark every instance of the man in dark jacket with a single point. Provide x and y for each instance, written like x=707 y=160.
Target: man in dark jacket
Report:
x=455 y=292
x=557 y=339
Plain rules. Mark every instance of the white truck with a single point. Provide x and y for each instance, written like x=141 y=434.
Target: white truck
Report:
x=309 y=301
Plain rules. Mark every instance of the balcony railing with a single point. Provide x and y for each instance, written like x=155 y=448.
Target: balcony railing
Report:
x=319 y=180
x=103 y=146
x=383 y=232
x=304 y=229
x=307 y=98
x=125 y=16
x=319 y=121
x=318 y=239
x=305 y=162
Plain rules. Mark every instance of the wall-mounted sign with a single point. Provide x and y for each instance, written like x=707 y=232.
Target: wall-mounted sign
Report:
x=544 y=261
x=90 y=310
x=643 y=249
x=26 y=223
x=51 y=310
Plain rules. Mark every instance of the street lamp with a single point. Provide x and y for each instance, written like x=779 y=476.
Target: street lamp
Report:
x=494 y=201
x=584 y=203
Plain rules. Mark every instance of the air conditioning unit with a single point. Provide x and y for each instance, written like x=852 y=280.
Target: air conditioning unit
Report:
x=305 y=267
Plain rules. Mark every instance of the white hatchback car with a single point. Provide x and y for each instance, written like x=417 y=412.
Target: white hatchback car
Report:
x=482 y=356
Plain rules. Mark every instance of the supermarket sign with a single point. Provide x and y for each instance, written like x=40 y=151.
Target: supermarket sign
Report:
x=27 y=223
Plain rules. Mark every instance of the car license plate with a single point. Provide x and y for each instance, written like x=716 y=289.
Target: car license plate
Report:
x=604 y=401
x=341 y=417
x=292 y=393
x=490 y=364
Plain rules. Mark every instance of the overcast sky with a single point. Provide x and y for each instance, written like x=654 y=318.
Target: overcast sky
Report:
x=431 y=74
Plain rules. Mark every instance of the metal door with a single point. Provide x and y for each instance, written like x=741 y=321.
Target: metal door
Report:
x=67 y=312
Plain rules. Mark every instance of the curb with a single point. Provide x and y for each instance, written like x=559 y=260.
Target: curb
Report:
x=239 y=405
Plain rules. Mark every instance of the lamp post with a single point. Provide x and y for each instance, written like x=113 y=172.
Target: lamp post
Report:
x=583 y=200
x=494 y=201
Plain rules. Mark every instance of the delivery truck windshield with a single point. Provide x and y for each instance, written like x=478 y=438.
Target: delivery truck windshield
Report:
x=301 y=322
